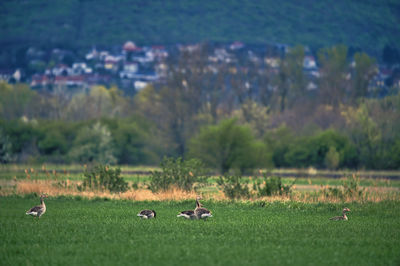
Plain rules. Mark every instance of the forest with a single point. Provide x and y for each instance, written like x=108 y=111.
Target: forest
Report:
x=81 y=24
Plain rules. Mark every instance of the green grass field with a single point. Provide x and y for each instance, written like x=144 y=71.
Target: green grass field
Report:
x=103 y=232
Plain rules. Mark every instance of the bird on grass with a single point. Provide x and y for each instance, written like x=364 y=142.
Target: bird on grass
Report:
x=39 y=210
x=147 y=214
x=200 y=212
x=341 y=218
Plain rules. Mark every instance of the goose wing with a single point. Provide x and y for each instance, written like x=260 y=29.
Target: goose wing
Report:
x=202 y=213
x=187 y=214
x=36 y=211
x=146 y=213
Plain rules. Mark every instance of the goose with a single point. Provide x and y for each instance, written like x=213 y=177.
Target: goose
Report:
x=187 y=214
x=200 y=212
x=343 y=217
x=147 y=214
x=39 y=210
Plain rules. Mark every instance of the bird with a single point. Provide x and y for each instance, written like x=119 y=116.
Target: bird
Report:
x=147 y=214
x=39 y=210
x=341 y=218
x=200 y=212
x=187 y=214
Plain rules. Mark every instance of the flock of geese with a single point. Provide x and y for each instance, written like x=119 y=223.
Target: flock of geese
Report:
x=198 y=213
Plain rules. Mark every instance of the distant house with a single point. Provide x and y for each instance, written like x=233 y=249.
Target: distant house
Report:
x=309 y=63
x=130 y=46
x=111 y=63
x=272 y=62
x=236 y=46
x=40 y=81
x=61 y=70
x=159 y=52
x=130 y=69
x=139 y=85
x=71 y=81
x=92 y=55
x=80 y=69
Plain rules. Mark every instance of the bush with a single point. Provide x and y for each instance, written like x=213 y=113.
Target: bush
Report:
x=229 y=146
x=350 y=188
x=272 y=186
x=183 y=174
x=102 y=177
x=93 y=144
x=233 y=188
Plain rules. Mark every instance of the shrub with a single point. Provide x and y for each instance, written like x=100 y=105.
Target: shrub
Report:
x=183 y=174
x=229 y=146
x=102 y=177
x=233 y=188
x=350 y=188
x=93 y=144
x=332 y=158
x=272 y=186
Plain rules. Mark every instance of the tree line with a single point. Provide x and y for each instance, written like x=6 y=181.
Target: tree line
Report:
x=232 y=115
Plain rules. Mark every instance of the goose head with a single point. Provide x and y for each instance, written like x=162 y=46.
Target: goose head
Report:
x=346 y=210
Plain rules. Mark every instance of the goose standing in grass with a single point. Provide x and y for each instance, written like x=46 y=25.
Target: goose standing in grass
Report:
x=147 y=214
x=341 y=218
x=39 y=210
x=200 y=212
x=187 y=214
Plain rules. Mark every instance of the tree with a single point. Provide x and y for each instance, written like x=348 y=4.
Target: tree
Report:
x=134 y=143
x=16 y=101
x=228 y=145
x=254 y=115
x=364 y=71
x=93 y=144
x=291 y=81
x=364 y=133
x=334 y=75
x=100 y=102
x=6 y=154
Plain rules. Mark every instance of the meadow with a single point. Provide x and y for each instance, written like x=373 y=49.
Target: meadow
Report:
x=78 y=231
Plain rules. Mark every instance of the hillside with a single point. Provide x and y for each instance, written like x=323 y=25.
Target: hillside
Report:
x=368 y=25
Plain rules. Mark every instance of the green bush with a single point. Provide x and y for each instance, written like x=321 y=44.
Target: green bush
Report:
x=229 y=146
x=350 y=188
x=93 y=144
x=183 y=174
x=233 y=188
x=272 y=185
x=102 y=177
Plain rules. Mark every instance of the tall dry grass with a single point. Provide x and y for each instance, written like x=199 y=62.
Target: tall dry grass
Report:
x=303 y=193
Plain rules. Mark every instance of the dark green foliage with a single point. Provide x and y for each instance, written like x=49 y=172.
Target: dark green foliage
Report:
x=234 y=187
x=75 y=24
x=327 y=149
x=271 y=185
x=103 y=177
x=228 y=146
x=6 y=155
x=179 y=173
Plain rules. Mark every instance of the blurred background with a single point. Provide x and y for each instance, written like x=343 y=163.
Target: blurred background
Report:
x=237 y=84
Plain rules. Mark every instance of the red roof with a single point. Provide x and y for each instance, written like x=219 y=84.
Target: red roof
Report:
x=131 y=46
